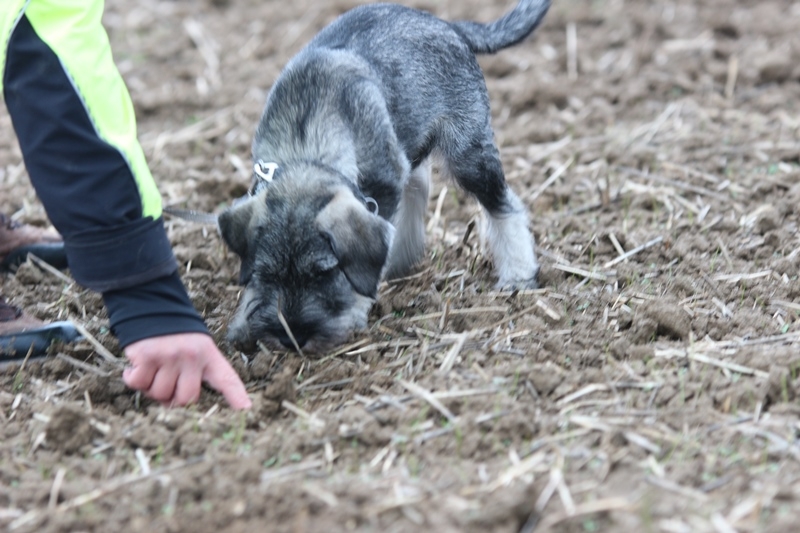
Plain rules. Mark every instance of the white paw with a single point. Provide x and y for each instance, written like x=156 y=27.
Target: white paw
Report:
x=520 y=281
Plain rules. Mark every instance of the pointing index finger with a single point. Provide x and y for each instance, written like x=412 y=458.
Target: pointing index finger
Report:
x=221 y=376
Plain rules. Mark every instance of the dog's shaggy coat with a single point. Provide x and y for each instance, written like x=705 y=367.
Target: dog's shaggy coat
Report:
x=351 y=125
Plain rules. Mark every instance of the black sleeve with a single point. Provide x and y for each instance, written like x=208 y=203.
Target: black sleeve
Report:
x=91 y=196
x=156 y=308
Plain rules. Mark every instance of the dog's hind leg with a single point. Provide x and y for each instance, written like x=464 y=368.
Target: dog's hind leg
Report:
x=477 y=168
x=409 y=221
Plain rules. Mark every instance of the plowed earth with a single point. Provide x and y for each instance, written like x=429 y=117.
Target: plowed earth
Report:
x=649 y=385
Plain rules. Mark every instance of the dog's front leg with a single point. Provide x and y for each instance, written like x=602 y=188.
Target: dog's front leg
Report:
x=385 y=174
x=409 y=221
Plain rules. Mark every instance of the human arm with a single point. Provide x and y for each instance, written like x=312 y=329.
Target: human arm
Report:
x=76 y=128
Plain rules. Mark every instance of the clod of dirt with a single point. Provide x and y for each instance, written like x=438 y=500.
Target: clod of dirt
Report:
x=772 y=241
x=685 y=284
x=688 y=245
x=780 y=388
x=545 y=378
x=665 y=395
x=375 y=434
x=513 y=508
x=549 y=276
x=69 y=430
x=29 y=274
x=641 y=353
x=149 y=437
x=102 y=389
x=554 y=344
x=282 y=388
x=643 y=330
x=620 y=348
x=191 y=444
x=56 y=368
x=667 y=317
x=261 y=366
x=625 y=349
x=786 y=265
x=768 y=220
x=776 y=69
x=521 y=425
x=727 y=29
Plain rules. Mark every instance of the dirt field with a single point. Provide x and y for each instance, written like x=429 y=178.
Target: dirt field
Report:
x=650 y=385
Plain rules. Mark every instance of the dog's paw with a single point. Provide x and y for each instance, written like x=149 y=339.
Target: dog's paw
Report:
x=513 y=283
x=518 y=285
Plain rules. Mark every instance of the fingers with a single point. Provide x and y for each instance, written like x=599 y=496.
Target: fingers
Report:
x=187 y=389
x=170 y=369
x=167 y=384
x=163 y=387
x=139 y=376
x=221 y=377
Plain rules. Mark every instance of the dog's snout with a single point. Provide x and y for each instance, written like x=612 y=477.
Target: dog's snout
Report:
x=246 y=346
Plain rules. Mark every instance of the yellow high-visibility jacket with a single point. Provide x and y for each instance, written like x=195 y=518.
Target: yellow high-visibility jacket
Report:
x=75 y=123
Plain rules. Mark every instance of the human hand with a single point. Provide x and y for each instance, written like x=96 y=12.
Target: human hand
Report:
x=170 y=369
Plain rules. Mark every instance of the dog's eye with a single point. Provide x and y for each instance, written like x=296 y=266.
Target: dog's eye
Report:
x=372 y=205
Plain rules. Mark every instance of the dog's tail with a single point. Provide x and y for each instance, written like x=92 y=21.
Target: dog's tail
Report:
x=505 y=32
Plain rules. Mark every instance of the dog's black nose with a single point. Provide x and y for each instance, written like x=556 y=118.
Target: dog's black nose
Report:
x=300 y=336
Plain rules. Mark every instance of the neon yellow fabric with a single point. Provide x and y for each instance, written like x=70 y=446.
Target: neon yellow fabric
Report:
x=73 y=30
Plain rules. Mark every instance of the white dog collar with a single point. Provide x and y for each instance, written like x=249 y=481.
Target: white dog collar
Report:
x=265 y=171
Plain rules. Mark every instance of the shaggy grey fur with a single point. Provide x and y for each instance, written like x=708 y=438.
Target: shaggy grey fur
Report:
x=353 y=118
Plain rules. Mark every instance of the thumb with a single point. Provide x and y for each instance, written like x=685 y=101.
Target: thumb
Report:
x=223 y=378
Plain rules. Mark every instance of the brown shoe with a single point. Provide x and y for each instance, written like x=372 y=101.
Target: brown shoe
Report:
x=18 y=240
x=14 y=320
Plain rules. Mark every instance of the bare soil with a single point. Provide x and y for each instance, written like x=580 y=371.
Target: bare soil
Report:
x=650 y=385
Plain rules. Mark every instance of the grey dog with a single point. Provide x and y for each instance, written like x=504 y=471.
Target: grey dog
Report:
x=342 y=170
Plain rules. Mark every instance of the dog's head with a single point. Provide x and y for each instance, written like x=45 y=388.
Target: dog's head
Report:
x=312 y=255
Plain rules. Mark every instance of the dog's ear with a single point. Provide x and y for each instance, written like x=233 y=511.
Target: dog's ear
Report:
x=233 y=226
x=360 y=240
